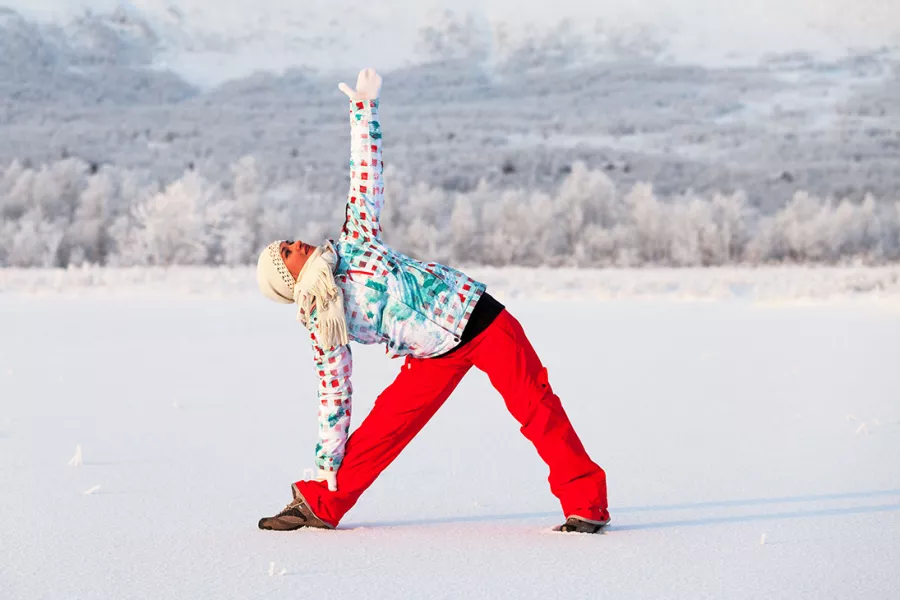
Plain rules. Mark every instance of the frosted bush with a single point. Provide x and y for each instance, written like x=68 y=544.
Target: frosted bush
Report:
x=73 y=213
x=171 y=227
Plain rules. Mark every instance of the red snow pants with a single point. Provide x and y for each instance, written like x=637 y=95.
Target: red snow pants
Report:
x=504 y=353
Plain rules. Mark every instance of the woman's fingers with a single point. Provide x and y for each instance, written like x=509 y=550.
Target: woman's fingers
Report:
x=347 y=90
x=368 y=85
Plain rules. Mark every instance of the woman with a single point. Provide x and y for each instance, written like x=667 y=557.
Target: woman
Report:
x=440 y=320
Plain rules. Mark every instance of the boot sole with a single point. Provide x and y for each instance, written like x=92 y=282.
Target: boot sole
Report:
x=266 y=527
x=598 y=527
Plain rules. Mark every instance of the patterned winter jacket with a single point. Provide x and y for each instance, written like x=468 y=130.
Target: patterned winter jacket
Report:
x=418 y=309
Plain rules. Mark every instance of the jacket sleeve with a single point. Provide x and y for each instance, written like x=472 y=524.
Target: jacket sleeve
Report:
x=366 y=196
x=334 y=367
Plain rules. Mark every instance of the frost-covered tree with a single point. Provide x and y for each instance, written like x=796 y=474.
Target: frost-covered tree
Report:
x=649 y=230
x=732 y=217
x=464 y=232
x=86 y=240
x=170 y=227
x=890 y=231
x=31 y=241
x=15 y=191
x=71 y=213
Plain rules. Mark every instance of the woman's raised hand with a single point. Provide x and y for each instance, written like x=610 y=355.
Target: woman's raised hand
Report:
x=368 y=86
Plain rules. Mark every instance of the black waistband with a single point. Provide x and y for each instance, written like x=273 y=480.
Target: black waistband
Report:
x=486 y=310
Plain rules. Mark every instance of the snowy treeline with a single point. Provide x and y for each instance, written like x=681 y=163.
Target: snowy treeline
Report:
x=72 y=213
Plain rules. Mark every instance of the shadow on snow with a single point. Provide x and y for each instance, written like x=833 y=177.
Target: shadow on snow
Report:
x=796 y=514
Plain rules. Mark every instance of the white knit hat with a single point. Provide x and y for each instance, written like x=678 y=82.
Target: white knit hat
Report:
x=275 y=281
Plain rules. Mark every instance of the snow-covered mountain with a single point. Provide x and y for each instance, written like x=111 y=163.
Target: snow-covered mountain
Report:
x=101 y=60
x=208 y=43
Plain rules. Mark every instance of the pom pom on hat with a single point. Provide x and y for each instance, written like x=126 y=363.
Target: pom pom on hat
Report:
x=275 y=281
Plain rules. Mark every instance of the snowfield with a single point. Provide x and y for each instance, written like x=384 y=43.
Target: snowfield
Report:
x=751 y=445
x=792 y=285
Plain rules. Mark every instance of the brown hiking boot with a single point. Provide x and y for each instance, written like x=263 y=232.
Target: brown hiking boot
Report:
x=575 y=524
x=295 y=515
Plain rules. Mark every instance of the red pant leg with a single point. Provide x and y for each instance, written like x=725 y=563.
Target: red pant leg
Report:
x=400 y=412
x=504 y=353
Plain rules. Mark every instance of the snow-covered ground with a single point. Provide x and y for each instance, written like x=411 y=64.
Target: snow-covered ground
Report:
x=787 y=285
x=751 y=450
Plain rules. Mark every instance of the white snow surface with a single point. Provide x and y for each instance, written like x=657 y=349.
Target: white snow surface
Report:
x=751 y=450
x=792 y=285
x=211 y=42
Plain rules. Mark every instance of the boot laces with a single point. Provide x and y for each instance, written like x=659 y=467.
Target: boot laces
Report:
x=296 y=502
